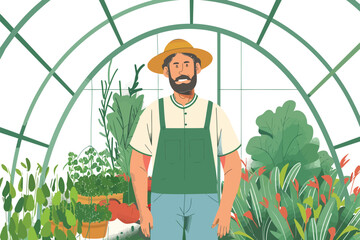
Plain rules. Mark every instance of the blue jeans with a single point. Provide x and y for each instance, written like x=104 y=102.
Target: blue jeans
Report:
x=174 y=212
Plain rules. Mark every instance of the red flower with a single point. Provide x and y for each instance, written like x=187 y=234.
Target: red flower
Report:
x=351 y=177
x=296 y=186
x=315 y=185
x=265 y=203
x=278 y=199
x=344 y=161
x=346 y=180
x=332 y=233
x=329 y=181
x=248 y=214
x=356 y=192
x=308 y=214
x=261 y=170
x=323 y=198
x=357 y=171
x=245 y=175
x=235 y=218
x=283 y=212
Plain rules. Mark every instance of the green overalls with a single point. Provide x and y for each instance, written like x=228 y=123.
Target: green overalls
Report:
x=184 y=184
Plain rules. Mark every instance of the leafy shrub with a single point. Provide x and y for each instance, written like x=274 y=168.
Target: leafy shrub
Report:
x=97 y=185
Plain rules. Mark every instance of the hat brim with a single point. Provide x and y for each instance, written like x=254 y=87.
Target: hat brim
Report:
x=155 y=64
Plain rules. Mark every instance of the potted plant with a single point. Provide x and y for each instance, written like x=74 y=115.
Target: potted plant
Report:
x=93 y=177
x=93 y=219
x=96 y=188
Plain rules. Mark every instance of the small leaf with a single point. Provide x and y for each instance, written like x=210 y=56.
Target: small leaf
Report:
x=74 y=194
x=32 y=234
x=70 y=218
x=283 y=174
x=317 y=212
x=302 y=211
x=28 y=164
x=299 y=228
x=57 y=198
x=12 y=191
x=46 y=230
x=243 y=234
x=55 y=168
x=20 y=204
x=309 y=201
x=31 y=183
x=22 y=232
x=61 y=185
x=59 y=234
x=29 y=203
x=6 y=189
x=349 y=228
x=5 y=168
x=21 y=184
x=40 y=198
x=23 y=165
x=27 y=220
x=4 y=233
x=45 y=216
x=7 y=203
x=18 y=172
x=45 y=190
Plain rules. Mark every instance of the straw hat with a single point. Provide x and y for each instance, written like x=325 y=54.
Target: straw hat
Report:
x=178 y=46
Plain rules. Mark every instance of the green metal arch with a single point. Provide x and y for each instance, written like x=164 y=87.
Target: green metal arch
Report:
x=22 y=22
x=142 y=5
x=57 y=65
x=305 y=43
x=198 y=27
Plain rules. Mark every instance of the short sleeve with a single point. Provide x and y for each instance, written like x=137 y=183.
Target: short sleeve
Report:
x=141 y=140
x=228 y=141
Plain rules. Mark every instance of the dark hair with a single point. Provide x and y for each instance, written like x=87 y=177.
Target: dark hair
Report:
x=170 y=57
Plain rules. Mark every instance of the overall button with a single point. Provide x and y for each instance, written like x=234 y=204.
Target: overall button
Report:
x=185 y=124
x=185 y=113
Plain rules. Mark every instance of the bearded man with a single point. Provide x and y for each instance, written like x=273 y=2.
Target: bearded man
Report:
x=184 y=135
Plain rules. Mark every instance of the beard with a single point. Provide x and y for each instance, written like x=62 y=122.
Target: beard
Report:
x=183 y=88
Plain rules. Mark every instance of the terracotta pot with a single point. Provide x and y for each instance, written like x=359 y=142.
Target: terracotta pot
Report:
x=64 y=229
x=97 y=199
x=97 y=229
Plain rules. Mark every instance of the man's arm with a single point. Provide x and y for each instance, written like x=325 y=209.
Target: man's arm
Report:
x=232 y=176
x=139 y=174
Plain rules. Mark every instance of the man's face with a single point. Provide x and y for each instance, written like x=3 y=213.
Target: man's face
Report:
x=182 y=73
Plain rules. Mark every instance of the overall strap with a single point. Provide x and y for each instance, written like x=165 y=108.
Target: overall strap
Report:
x=208 y=114
x=161 y=113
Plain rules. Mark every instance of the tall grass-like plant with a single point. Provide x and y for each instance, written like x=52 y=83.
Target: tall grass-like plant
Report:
x=123 y=120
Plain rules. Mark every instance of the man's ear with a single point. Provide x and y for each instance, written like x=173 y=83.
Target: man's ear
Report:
x=198 y=68
x=166 y=72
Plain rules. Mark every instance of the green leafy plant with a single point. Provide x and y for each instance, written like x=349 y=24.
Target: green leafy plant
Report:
x=279 y=198
x=21 y=223
x=123 y=120
x=97 y=185
x=92 y=162
x=285 y=138
x=92 y=212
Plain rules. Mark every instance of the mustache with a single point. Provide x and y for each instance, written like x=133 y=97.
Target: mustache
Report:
x=182 y=77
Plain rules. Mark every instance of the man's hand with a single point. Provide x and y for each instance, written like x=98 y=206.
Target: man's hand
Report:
x=146 y=221
x=222 y=218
